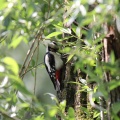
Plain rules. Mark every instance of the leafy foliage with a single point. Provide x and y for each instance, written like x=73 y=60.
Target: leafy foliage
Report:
x=20 y=21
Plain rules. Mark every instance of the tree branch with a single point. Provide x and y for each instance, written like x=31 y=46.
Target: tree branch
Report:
x=30 y=53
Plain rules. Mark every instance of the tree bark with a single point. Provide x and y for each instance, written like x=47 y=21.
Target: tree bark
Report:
x=111 y=44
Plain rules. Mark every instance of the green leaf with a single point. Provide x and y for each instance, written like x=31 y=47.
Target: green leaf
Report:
x=25 y=105
x=66 y=49
x=71 y=113
x=63 y=105
x=3 y=4
x=66 y=30
x=85 y=110
x=16 y=41
x=39 y=118
x=112 y=57
x=14 y=99
x=96 y=114
x=116 y=107
x=11 y=64
x=53 y=34
x=33 y=62
x=78 y=31
x=70 y=57
x=113 y=84
x=20 y=86
x=52 y=112
x=63 y=30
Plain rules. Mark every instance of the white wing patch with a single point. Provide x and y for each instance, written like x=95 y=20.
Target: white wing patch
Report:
x=47 y=63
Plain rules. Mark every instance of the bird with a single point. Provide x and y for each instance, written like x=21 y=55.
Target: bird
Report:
x=54 y=63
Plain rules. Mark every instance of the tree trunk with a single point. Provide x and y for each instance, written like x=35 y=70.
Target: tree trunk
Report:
x=111 y=44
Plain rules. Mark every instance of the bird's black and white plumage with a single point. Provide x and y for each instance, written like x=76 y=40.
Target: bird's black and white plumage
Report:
x=53 y=64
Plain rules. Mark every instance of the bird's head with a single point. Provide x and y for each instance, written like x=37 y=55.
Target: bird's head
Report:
x=51 y=45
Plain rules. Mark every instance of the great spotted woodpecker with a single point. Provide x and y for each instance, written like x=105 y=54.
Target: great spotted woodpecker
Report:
x=53 y=64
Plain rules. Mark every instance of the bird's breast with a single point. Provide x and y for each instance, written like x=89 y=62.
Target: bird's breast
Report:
x=58 y=62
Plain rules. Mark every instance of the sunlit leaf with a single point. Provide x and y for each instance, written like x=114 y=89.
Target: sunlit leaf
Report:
x=3 y=4
x=39 y=118
x=53 y=34
x=75 y=23
x=63 y=30
x=4 y=82
x=112 y=58
x=52 y=112
x=62 y=105
x=71 y=113
x=25 y=105
x=68 y=30
x=53 y=97
x=96 y=114
x=70 y=57
x=78 y=31
x=16 y=41
x=66 y=50
x=12 y=64
x=2 y=68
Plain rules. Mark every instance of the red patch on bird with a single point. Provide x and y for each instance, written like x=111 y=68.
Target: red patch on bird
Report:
x=57 y=73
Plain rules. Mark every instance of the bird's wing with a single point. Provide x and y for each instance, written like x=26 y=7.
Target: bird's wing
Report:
x=50 y=66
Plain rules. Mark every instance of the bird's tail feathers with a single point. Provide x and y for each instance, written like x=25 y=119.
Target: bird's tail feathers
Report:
x=57 y=86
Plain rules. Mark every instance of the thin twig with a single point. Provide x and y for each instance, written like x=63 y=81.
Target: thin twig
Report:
x=31 y=57
x=75 y=23
x=36 y=68
x=28 y=53
x=29 y=61
x=98 y=107
x=32 y=68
